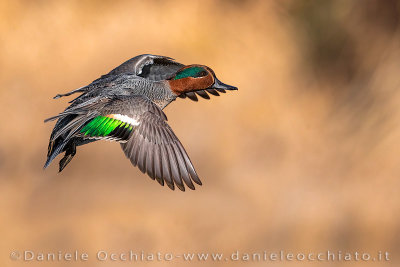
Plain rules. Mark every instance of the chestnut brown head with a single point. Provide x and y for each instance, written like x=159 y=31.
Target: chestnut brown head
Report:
x=196 y=77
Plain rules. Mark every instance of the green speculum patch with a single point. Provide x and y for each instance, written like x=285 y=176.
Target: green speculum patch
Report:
x=103 y=126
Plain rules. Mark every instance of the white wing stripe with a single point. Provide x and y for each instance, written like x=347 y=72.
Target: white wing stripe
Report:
x=125 y=119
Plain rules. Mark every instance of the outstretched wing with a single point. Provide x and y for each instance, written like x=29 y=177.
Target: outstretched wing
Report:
x=146 y=138
x=155 y=149
x=203 y=93
x=141 y=128
x=148 y=66
x=151 y=67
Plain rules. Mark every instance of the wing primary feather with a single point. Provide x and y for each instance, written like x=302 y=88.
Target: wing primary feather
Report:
x=182 y=166
x=189 y=165
x=165 y=165
x=150 y=161
x=157 y=165
x=192 y=96
x=134 y=148
x=174 y=168
x=142 y=155
x=138 y=148
x=203 y=94
x=213 y=92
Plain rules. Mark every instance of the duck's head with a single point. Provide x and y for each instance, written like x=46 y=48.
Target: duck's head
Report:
x=194 y=78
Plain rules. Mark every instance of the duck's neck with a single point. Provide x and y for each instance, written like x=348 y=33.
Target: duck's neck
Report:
x=160 y=93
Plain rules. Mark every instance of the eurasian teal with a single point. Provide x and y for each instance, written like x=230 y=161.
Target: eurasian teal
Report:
x=126 y=106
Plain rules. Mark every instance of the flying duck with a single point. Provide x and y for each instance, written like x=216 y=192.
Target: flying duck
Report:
x=126 y=105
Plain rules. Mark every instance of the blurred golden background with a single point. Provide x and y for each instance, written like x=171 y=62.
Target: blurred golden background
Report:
x=304 y=157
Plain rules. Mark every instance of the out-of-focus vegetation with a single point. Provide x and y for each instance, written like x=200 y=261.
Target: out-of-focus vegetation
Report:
x=305 y=156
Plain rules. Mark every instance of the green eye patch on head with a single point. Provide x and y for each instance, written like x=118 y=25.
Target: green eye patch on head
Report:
x=194 y=72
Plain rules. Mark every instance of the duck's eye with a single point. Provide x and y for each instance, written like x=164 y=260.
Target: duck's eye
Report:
x=201 y=74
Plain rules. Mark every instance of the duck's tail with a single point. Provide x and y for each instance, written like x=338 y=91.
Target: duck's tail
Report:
x=65 y=135
x=60 y=141
x=58 y=146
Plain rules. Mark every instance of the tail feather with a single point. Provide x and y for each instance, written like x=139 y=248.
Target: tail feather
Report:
x=58 y=142
x=65 y=135
x=70 y=151
x=55 y=147
x=76 y=122
x=79 y=109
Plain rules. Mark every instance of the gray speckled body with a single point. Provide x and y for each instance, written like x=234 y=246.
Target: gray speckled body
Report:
x=158 y=92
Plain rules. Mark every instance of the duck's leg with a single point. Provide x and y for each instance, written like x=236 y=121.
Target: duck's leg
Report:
x=69 y=154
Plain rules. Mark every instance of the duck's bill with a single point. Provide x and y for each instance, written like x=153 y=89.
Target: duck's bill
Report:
x=222 y=86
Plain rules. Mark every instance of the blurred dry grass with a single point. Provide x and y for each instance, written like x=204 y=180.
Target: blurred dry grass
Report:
x=305 y=156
